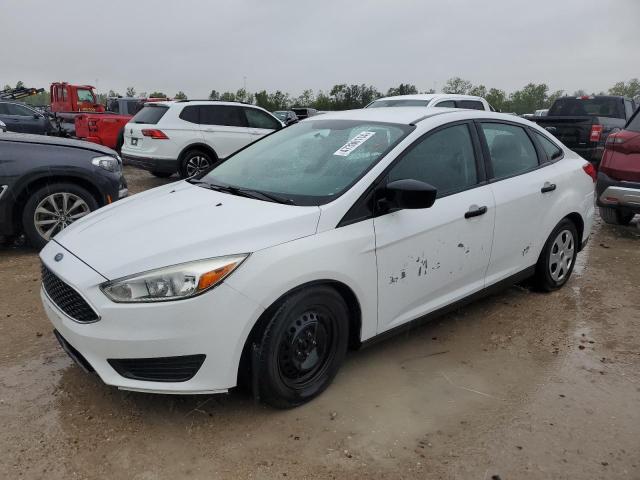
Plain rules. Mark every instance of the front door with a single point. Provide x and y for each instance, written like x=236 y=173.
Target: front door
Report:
x=429 y=258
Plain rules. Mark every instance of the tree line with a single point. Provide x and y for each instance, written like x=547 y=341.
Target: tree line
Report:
x=529 y=98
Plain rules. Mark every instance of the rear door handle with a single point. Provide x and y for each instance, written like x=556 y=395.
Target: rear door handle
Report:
x=548 y=187
x=475 y=211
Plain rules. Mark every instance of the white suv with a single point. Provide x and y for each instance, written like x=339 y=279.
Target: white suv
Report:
x=189 y=136
x=446 y=100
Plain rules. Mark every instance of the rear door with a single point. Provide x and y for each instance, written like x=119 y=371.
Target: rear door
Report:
x=224 y=128
x=429 y=258
x=260 y=123
x=524 y=188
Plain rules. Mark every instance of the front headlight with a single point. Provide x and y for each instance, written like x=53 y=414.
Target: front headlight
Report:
x=107 y=162
x=172 y=283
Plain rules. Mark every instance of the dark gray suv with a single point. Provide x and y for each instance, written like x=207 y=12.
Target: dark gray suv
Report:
x=47 y=183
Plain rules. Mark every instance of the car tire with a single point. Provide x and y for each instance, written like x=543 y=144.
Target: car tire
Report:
x=614 y=216
x=79 y=203
x=558 y=257
x=161 y=174
x=195 y=162
x=302 y=347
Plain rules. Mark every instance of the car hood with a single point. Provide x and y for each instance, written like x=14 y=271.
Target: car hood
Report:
x=179 y=223
x=56 y=141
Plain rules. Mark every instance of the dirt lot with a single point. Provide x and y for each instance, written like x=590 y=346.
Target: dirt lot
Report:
x=519 y=385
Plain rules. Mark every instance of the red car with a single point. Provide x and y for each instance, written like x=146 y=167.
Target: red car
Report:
x=618 y=186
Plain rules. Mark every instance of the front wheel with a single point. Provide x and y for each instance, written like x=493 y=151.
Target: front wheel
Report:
x=52 y=208
x=558 y=257
x=302 y=347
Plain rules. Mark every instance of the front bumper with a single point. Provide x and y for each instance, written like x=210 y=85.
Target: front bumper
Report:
x=617 y=193
x=152 y=164
x=215 y=324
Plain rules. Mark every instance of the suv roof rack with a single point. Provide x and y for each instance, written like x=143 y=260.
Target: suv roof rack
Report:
x=209 y=100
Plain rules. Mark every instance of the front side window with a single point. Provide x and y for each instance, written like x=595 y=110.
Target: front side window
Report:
x=225 y=115
x=444 y=159
x=258 y=119
x=19 y=110
x=85 y=95
x=551 y=149
x=312 y=162
x=511 y=149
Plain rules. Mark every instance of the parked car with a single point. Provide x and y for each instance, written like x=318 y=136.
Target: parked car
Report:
x=286 y=116
x=47 y=183
x=433 y=100
x=618 y=187
x=20 y=118
x=189 y=136
x=584 y=123
x=543 y=112
x=304 y=112
x=321 y=236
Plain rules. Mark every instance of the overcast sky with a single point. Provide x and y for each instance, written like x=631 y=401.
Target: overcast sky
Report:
x=198 y=45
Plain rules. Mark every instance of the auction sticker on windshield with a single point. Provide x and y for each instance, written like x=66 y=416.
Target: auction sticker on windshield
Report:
x=354 y=143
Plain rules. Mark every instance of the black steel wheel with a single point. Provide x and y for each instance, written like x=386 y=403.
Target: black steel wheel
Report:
x=302 y=347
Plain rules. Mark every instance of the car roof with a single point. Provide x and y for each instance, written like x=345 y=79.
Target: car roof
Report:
x=414 y=115
x=430 y=96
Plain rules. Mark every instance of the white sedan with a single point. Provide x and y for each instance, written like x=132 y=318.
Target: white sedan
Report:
x=317 y=238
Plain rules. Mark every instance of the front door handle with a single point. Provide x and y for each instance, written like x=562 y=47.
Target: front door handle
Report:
x=548 y=187
x=475 y=211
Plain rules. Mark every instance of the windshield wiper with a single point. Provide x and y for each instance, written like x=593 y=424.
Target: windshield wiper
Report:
x=244 y=192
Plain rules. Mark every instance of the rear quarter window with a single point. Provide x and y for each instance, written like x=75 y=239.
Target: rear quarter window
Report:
x=190 y=114
x=150 y=115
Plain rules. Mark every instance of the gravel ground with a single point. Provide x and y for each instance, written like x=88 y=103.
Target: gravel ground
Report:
x=518 y=385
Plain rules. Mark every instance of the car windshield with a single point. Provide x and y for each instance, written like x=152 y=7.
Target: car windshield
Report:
x=312 y=162
x=587 y=106
x=398 y=103
x=85 y=95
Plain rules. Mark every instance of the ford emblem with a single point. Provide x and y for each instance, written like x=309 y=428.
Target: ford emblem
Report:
x=58 y=257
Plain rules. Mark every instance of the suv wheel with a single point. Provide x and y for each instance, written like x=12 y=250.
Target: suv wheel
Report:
x=194 y=163
x=302 y=347
x=53 y=208
x=614 y=216
x=558 y=257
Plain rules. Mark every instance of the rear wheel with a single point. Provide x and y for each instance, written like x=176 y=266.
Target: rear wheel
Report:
x=194 y=163
x=558 y=257
x=615 y=216
x=302 y=347
x=53 y=208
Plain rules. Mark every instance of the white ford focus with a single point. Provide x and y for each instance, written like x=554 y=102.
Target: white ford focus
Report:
x=318 y=237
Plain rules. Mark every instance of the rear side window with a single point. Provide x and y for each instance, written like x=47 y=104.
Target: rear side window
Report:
x=444 y=159
x=470 y=104
x=551 y=149
x=398 y=103
x=447 y=104
x=258 y=119
x=191 y=114
x=225 y=115
x=511 y=149
x=150 y=115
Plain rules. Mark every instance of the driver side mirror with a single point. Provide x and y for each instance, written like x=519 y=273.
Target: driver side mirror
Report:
x=407 y=194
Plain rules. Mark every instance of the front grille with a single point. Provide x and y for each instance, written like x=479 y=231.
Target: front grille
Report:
x=66 y=298
x=159 y=369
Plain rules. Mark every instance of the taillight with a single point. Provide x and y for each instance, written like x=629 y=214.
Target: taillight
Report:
x=614 y=139
x=596 y=131
x=154 y=133
x=590 y=170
